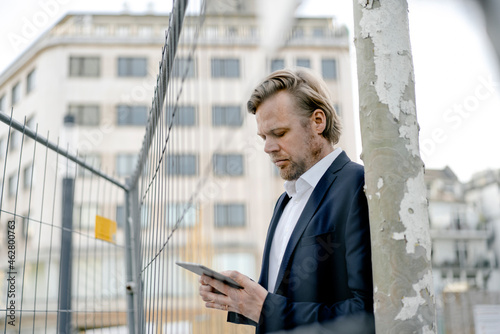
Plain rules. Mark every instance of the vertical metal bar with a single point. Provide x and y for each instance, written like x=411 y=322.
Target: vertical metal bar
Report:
x=134 y=226
x=79 y=250
x=26 y=231
x=41 y=226
x=94 y=250
x=51 y=235
x=131 y=287
x=66 y=263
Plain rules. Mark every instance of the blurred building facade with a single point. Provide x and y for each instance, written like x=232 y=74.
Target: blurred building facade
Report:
x=97 y=72
x=464 y=230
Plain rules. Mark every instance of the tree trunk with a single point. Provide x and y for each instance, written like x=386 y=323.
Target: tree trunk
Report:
x=395 y=188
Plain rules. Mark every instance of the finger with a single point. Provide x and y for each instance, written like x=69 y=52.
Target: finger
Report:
x=221 y=307
x=206 y=288
x=215 y=300
x=217 y=285
x=241 y=279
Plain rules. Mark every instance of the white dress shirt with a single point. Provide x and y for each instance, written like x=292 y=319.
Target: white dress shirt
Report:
x=299 y=192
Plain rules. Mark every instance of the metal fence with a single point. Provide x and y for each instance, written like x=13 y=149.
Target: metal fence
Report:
x=87 y=252
x=64 y=270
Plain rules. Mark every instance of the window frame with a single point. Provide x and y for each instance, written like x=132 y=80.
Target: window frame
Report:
x=128 y=115
x=127 y=67
x=2 y=102
x=15 y=93
x=226 y=221
x=178 y=170
x=222 y=115
x=298 y=60
x=221 y=68
x=27 y=179
x=130 y=159
x=186 y=115
x=84 y=67
x=324 y=71
x=180 y=67
x=277 y=64
x=222 y=164
x=30 y=81
x=77 y=110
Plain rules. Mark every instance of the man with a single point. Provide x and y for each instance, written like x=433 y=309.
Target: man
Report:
x=317 y=261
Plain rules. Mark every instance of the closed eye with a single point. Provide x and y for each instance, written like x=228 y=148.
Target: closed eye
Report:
x=279 y=133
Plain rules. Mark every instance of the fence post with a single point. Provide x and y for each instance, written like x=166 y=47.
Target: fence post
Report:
x=129 y=264
x=66 y=263
x=134 y=281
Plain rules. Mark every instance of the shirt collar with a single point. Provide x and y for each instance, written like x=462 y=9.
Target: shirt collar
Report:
x=312 y=176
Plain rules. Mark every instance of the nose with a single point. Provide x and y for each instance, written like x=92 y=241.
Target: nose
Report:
x=271 y=146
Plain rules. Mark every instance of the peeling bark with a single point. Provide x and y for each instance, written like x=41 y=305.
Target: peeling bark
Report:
x=395 y=188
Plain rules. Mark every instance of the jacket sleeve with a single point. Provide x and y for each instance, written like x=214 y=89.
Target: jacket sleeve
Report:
x=280 y=312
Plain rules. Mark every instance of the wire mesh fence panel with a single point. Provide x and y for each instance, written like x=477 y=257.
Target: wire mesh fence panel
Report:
x=189 y=183
x=63 y=268
x=96 y=255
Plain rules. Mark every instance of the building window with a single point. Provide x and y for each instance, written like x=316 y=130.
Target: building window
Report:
x=277 y=64
x=101 y=30
x=337 y=110
x=30 y=82
x=84 y=66
x=298 y=32
x=227 y=116
x=131 y=115
x=27 y=176
x=184 y=67
x=303 y=62
x=228 y=164
x=2 y=103
x=132 y=67
x=2 y=148
x=123 y=31
x=25 y=227
x=91 y=159
x=242 y=262
x=229 y=215
x=318 y=32
x=184 y=115
x=86 y=115
x=12 y=185
x=16 y=93
x=225 y=68
x=15 y=140
x=181 y=215
x=120 y=215
x=329 y=68
x=84 y=215
x=31 y=122
x=125 y=164
x=182 y=164
x=145 y=31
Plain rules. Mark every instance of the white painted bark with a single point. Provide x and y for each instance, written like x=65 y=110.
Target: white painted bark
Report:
x=401 y=246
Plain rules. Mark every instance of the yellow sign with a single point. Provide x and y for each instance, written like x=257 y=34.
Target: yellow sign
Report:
x=105 y=229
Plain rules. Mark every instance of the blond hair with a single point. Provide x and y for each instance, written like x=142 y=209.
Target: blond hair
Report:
x=308 y=90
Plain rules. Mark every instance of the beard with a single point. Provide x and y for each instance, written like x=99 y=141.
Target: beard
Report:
x=293 y=170
x=298 y=166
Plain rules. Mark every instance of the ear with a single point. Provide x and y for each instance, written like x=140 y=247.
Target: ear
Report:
x=318 y=121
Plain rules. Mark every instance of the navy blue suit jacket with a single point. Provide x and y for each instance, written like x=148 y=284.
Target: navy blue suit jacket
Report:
x=326 y=271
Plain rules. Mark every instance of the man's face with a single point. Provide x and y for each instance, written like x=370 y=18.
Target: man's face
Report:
x=290 y=141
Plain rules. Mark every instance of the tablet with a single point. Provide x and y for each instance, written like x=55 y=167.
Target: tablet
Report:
x=201 y=269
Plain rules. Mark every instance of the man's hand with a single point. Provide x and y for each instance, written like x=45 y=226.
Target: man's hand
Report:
x=247 y=301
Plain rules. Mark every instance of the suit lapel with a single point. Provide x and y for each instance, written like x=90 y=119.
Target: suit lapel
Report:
x=310 y=209
x=280 y=206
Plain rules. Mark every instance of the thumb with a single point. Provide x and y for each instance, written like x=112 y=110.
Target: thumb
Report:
x=237 y=276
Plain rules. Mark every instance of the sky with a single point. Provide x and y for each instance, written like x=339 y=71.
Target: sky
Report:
x=456 y=73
